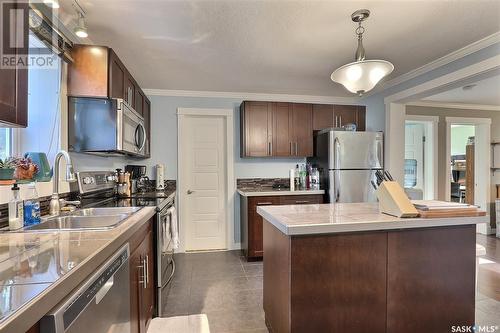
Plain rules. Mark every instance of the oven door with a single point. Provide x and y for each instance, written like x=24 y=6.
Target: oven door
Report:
x=165 y=250
x=164 y=257
x=131 y=131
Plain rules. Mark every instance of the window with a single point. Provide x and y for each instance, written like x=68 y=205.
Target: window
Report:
x=5 y=143
x=43 y=131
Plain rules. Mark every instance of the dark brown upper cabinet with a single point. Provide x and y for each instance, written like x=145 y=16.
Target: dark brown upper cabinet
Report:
x=139 y=101
x=146 y=113
x=130 y=90
x=282 y=130
x=322 y=116
x=327 y=115
x=346 y=114
x=14 y=97
x=256 y=129
x=14 y=81
x=117 y=75
x=302 y=127
x=276 y=129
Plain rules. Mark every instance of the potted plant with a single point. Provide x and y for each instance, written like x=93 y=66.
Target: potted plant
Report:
x=7 y=168
x=25 y=169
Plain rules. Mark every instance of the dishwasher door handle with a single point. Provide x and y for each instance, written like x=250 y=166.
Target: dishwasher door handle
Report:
x=104 y=290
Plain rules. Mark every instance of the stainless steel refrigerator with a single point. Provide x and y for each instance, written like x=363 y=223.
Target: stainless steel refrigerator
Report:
x=347 y=162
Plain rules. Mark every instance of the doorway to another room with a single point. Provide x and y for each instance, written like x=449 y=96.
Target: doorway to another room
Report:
x=420 y=165
x=468 y=162
x=462 y=163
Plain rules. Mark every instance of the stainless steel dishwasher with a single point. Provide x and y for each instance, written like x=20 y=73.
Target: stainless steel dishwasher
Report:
x=101 y=304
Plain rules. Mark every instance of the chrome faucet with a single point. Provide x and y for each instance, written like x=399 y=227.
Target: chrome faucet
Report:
x=55 y=203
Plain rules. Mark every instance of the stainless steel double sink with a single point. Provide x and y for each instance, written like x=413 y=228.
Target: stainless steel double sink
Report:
x=85 y=219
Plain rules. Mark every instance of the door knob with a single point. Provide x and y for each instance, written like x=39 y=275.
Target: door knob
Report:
x=190 y=192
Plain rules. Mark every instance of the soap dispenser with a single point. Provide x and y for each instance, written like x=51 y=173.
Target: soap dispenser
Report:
x=16 y=210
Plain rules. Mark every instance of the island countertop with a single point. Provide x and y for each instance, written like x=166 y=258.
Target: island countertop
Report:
x=348 y=217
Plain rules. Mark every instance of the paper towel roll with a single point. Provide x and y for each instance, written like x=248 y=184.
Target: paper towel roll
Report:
x=292 y=179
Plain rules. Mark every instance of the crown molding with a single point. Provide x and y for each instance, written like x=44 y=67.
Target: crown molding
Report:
x=450 y=57
x=254 y=96
x=465 y=106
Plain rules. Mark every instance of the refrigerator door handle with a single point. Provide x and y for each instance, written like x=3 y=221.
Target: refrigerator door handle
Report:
x=336 y=144
x=337 y=185
x=379 y=153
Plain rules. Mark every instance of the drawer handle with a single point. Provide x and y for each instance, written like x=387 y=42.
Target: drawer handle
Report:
x=301 y=201
x=264 y=203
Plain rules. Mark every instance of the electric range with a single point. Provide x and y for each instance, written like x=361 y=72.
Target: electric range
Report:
x=98 y=189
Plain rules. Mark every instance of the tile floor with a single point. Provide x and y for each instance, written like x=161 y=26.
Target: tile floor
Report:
x=228 y=289
x=221 y=285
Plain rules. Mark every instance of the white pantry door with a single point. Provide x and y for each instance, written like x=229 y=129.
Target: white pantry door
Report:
x=204 y=154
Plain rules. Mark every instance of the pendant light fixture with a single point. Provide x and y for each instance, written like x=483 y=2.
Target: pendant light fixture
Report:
x=361 y=75
x=81 y=29
x=81 y=26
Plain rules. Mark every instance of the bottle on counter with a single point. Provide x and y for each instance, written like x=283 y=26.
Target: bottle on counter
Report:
x=308 y=176
x=31 y=206
x=292 y=179
x=314 y=179
x=16 y=210
x=297 y=177
x=303 y=176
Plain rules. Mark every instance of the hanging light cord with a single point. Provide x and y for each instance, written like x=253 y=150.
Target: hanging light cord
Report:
x=360 y=51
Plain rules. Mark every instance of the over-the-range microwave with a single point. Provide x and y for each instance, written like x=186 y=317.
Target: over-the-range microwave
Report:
x=105 y=126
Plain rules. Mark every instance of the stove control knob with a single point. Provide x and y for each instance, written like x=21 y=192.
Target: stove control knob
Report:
x=87 y=180
x=110 y=178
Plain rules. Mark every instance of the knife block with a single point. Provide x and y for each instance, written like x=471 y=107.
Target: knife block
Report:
x=394 y=201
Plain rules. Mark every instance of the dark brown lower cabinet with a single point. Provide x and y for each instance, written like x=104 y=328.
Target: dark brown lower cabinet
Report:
x=412 y=281
x=142 y=280
x=251 y=222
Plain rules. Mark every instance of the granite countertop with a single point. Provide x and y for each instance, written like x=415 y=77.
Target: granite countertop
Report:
x=39 y=269
x=264 y=191
x=348 y=217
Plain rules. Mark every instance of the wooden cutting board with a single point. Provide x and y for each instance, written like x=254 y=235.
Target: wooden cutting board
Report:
x=463 y=212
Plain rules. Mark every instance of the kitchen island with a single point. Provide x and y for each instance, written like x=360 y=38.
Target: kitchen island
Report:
x=349 y=268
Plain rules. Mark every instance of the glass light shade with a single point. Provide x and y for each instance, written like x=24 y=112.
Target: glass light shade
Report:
x=360 y=77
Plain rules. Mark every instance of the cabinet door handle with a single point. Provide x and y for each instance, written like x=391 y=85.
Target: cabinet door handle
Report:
x=146 y=262
x=336 y=121
x=264 y=203
x=142 y=274
x=270 y=148
x=291 y=149
x=296 y=148
x=340 y=118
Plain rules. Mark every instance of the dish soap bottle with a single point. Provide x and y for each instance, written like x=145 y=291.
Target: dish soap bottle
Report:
x=16 y=210
x=31 y=206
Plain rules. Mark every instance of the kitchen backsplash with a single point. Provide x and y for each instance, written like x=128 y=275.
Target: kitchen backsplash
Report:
x=258 y=183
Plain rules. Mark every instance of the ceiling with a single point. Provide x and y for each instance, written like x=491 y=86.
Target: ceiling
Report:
x=288 y=47
x=485 y=92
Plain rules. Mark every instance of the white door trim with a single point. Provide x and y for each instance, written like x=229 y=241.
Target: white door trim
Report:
x=432 y=122
x=482 y=176
x=182 y=113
